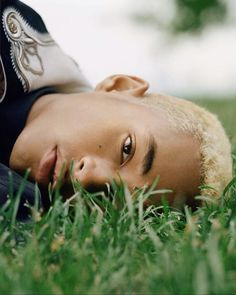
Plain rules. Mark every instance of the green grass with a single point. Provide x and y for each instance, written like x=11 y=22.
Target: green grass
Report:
x=122 y=249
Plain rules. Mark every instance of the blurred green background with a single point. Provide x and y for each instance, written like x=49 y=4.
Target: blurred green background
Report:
x=196 y=39
x=186 y=16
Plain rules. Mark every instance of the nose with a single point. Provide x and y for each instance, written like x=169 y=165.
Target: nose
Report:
x=93 y=173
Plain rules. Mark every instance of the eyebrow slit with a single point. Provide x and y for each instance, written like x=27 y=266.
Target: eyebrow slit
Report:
x=149 y=156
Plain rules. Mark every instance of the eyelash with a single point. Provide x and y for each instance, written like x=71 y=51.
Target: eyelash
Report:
x=129 y=147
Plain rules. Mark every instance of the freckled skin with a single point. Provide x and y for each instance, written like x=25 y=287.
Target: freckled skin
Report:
x=91 y=128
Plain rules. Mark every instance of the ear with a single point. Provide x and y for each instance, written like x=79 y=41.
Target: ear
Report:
x=128 y=84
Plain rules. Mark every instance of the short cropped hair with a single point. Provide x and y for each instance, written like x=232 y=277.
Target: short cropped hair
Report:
x=215 y=148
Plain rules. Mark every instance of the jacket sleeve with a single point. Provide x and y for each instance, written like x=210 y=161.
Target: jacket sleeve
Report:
x=10 y=184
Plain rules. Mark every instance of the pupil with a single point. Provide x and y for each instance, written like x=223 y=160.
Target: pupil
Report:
x=127 y=148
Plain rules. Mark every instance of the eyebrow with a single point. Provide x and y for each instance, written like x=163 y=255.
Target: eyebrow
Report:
x=149 y=156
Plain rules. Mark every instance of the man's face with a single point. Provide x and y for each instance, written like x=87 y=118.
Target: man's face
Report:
x=107 y=136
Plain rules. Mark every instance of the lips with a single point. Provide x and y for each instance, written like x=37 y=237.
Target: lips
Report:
x=59 y=172
x=46 y=167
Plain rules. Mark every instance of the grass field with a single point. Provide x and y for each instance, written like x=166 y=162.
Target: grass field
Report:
x=123 y=249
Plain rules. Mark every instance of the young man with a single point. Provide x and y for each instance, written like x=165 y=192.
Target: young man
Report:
x=51 y=117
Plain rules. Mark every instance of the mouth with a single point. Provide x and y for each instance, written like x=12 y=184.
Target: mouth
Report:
x=58 y=173
x=46 y=167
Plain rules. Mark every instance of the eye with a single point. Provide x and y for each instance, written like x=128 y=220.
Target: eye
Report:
x=126 y=149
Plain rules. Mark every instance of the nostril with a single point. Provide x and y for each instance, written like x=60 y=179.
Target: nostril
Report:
x=81 y=166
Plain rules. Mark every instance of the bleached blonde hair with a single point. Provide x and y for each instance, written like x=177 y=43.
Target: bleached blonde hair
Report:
x=215 y=149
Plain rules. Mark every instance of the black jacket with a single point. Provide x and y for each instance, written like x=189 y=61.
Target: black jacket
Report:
x=10 y=183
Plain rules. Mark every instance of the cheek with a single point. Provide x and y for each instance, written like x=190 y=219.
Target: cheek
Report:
x=89 y=139
x=131 y=177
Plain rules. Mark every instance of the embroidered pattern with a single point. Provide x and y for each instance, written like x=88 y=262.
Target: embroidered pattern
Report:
x=2 y=82
x=25 y=42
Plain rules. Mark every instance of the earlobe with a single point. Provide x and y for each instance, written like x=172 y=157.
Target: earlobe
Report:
x=121 y=83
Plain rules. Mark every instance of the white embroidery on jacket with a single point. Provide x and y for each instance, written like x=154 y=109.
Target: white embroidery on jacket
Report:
x=37 y=59
x=25 y=42
x=3 y=81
